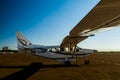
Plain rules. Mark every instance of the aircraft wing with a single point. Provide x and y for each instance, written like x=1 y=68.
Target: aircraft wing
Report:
x=104 y=16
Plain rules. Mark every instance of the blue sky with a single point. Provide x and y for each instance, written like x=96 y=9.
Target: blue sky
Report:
x=47 y=22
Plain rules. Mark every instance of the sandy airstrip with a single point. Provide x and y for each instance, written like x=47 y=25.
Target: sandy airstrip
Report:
x=103 y=66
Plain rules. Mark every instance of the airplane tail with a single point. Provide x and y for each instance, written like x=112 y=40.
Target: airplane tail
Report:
x=22 y=41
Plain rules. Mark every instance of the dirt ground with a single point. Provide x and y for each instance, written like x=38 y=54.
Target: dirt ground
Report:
x=103 y=66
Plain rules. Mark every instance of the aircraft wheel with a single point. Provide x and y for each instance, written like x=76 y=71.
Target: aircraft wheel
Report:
x=37 y=64
x=67 y=63
x=87 y=61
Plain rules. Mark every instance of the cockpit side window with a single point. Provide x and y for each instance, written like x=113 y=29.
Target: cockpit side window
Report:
x=55 y=50
x=38 y=51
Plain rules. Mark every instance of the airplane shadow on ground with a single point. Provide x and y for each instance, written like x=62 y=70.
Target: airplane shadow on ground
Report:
x=28 y=71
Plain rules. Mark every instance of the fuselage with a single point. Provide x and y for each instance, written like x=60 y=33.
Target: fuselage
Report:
x=54 y=52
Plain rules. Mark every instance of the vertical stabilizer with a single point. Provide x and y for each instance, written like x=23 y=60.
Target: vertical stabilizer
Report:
x=22 y=41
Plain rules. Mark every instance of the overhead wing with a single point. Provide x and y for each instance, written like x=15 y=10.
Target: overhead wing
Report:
x=105 y=16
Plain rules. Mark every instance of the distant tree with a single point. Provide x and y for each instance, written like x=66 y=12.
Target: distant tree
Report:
x=5 y=48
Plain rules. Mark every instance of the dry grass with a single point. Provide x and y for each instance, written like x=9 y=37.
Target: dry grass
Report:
x=103 y=66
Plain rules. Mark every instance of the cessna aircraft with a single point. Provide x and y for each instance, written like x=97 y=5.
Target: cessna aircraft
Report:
x=57 y=53
x=104 y=16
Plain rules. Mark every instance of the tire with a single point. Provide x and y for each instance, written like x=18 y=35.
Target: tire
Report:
x=87 y=61
x=67 y=63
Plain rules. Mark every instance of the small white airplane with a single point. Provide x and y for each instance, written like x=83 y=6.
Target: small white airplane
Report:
x=104 y=16
x=53 y=52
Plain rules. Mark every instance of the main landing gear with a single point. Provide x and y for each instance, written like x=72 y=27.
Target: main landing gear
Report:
x=87 y=61
x=67 y=63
